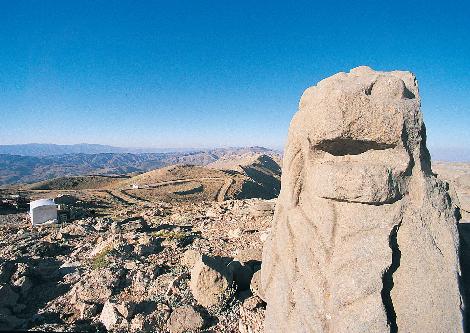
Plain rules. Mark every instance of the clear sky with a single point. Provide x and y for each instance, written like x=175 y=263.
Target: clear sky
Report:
x=215 y=73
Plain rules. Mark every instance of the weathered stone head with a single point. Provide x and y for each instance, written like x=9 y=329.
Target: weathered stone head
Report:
x=364 y=236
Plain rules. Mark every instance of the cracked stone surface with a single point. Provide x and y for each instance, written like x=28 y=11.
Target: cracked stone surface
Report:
x=364 y=237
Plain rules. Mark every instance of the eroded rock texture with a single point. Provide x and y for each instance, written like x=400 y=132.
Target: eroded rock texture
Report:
x=364 y=236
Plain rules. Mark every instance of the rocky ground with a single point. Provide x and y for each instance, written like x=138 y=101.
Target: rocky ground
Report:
x=128 y=265
x=162 y=268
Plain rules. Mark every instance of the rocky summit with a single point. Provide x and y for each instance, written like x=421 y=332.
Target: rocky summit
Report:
x=364 y=237
x=360 y=237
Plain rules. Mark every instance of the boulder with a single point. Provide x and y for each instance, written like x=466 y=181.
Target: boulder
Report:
x=255 y=285
x=185 y=319
x=96 y=286
x=190 y=257
x=251 y=316
x=364 y=236
x=86 y=310
x=152 y=322
x=110 y=316
x=126 y=309
x=211 y=282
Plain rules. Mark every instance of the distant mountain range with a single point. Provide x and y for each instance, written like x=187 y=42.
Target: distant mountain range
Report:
x=42 y=149
x=30 y=163
x=46 y=162
x=450 y=154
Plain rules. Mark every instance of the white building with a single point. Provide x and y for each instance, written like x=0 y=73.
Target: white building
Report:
x=42 y=210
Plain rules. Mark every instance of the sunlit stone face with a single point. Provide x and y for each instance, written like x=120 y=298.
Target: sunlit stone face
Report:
x=356 y=150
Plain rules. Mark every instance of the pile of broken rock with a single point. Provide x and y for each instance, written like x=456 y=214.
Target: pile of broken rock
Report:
x=189 y=269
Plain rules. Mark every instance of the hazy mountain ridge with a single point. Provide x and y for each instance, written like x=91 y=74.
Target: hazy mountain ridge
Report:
x=45 y=149
x=15 y=169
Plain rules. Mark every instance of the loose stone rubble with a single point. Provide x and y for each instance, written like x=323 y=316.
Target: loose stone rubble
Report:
x=133 y=274
x=364 y=236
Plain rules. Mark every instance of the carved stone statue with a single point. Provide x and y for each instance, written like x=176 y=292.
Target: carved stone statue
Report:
x=364 y=237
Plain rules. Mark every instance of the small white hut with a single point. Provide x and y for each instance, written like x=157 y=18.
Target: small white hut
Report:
x=42 y=210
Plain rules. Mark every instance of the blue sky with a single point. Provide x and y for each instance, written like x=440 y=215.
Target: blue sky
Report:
x=215 y=73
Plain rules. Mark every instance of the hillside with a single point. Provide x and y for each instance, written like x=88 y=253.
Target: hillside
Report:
x=75 y=183
x=258 y=179
x=29 y=169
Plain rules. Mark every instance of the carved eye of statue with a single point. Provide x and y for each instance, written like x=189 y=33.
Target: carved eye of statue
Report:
x=344 y=146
